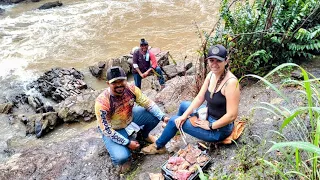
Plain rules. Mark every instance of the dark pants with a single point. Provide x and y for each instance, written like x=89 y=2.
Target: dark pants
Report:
x=138 y=78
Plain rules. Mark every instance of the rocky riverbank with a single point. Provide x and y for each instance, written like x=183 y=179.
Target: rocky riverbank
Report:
x=82 y=155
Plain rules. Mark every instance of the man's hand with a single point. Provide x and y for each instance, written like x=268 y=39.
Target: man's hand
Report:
x=166 y=119
x=145 y=74
x=134 y=145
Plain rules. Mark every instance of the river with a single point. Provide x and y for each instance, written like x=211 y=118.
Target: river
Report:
x=81 y=33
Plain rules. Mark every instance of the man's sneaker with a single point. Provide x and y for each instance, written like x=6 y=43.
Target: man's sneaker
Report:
x=152 y=149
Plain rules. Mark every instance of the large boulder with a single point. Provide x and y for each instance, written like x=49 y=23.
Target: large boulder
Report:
x=177 y=89
x=77 y=108
x=80 y=157
x=60 y=83
x=99 y=70
x=179 y=69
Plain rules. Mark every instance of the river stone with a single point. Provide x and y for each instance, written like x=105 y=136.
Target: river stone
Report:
x=16 y=1
x=5 y=108
x=50 y=5
x=77 y=108
x=176 y=90
x=40 y=124
x=1 y=11
x=79 y=157
x=60 y=83
x=46 y=123
x=162 y=58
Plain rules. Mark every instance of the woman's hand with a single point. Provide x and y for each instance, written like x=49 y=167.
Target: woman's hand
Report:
x=204 y=124
x=179 y=121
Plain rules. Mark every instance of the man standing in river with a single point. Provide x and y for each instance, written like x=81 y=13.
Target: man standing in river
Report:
x=118 y=118
x=144 y=63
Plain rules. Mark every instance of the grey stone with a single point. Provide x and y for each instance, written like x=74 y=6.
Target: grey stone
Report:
x=50 y=5
x=6 y=108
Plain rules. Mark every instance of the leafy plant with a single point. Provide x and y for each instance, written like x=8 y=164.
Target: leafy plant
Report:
x=265 y=33
x=302 y=155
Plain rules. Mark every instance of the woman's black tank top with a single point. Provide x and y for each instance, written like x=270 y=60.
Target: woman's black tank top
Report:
x=217 y=105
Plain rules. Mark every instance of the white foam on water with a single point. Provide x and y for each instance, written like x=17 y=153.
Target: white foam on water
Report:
x=7 y=7
x=77 y=31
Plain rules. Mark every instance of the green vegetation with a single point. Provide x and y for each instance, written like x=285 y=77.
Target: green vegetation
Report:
x=300 y=153
x=262 y=35
x=266 y=33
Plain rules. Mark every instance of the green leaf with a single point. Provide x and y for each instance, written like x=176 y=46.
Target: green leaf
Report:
x=267 y=83
x=275 y=168
x=307 y=146
x=201 y=174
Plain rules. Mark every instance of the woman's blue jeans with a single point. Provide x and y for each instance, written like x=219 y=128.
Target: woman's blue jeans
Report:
x=205 y=135
x=120 y=154
x=138 y=78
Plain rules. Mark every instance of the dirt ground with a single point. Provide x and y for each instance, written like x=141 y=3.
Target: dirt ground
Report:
x=228 y=159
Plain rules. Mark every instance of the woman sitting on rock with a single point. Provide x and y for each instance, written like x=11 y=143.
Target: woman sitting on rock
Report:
x=221 y=92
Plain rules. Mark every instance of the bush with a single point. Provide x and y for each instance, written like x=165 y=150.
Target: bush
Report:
x=301 y=153
x=267 y=33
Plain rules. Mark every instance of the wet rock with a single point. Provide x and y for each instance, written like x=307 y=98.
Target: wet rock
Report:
x=19 y=99
x=5 y=2
x=77 y=108
x=60 y=83
x=77 y=157
x=40 y=124
x=6 y=108
x=176 y=90
x=46 y=123
x=35 y=102
x=150 y=82
x=191 y=71
x=97 y=70
x=162 y=58
x=1 y=11
x=50 y=5
x=174 y=70
x=16 y=1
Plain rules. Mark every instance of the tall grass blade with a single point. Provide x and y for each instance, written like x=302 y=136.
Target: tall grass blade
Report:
x=297 y=173
x=275 y=168
x=267 y=83
x=307 y=146
x=297 y=112
x=298 y=160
